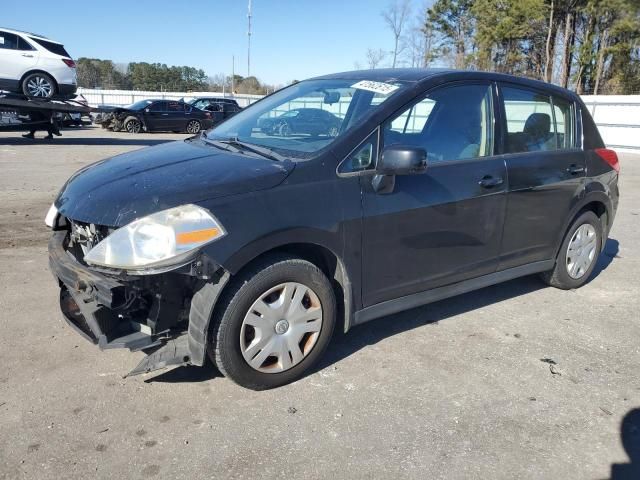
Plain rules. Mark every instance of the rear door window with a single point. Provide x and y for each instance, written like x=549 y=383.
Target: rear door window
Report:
x=534 y=123
x=450 y=123
x=563 y=115
x=176 y=107
x=8 y=41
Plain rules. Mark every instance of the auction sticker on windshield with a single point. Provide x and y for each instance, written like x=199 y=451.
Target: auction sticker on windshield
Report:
x=377 y=87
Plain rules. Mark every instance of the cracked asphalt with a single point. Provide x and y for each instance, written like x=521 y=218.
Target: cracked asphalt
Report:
x=513 y=381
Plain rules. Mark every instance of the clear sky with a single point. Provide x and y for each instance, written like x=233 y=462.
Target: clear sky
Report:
x=291 y=39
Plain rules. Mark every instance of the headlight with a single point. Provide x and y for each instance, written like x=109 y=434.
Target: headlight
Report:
x=160 y=240
x=52 y=216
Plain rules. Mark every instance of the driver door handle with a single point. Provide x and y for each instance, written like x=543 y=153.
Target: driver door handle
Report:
x=489 y=181
x=27 y=55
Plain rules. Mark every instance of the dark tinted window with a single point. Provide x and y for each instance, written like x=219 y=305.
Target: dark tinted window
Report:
x=450 y=123
x=176 y=106
x=158 y=107
x=8 y=41
x=52 y=47
x=533 y=124
x=24 y=45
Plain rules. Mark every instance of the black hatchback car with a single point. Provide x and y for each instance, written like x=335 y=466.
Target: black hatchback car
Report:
x=250 y=248
x=160 y=116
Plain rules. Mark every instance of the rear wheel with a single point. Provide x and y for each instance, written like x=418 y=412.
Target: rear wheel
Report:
x=132 y=125
x=193 y=126
x=578 y=254
x=38 y=85
x=275 y=322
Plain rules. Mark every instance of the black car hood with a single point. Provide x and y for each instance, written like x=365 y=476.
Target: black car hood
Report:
x=115 y=191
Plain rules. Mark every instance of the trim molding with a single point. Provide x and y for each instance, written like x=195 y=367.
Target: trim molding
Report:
x=429 y=296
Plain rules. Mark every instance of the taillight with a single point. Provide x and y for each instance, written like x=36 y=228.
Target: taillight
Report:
x=609 y=156
x=69 y=63
x=208 y=115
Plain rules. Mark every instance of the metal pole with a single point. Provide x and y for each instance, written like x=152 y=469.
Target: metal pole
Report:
x=249 y=42
x=233 y=75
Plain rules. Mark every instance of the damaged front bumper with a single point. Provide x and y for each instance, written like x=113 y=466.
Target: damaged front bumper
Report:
x=165 y=315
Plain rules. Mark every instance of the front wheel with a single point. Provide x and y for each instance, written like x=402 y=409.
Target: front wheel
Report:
x=132 y=125
x=578 y=254
x=275 y=321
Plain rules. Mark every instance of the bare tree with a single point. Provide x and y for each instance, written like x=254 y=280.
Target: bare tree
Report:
x=395 y=16
x=375 y=57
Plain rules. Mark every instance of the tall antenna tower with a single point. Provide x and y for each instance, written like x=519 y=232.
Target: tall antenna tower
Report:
x=249 y=42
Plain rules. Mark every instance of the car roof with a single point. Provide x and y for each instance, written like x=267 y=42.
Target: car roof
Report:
x=216 y=99
x=422 y=74
x=28 y=34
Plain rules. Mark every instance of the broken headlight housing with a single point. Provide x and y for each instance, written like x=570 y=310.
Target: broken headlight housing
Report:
x=160 y=241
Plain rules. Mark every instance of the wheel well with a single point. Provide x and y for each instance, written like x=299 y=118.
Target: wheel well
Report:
x=38 y=71
x=600 y=210
x=331 y=266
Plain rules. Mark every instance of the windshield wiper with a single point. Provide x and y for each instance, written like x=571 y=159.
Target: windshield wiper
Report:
x=250 y=147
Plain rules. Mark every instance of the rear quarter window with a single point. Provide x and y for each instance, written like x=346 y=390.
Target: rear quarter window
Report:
x=51 y=46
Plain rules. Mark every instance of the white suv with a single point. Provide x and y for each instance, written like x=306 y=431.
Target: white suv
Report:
x=34 y=65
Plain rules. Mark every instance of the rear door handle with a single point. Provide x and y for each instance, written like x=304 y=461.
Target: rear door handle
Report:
x=575 y=169
x=489 y=182
x=27 y=55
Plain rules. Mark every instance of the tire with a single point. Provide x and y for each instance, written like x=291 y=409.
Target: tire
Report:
x=39 y=85
x=573 y=270
x=132 y=125
x=194 y=127
x=285 y=353
x=284 y=130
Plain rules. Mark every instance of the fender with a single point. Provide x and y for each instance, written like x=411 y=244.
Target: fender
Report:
x=592 y=194
x=330 y=244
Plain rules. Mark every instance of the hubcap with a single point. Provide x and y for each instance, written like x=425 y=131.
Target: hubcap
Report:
x=133 y=127
x=39 y=87
x=582 y=251
x=281 y=328
x=193 y=127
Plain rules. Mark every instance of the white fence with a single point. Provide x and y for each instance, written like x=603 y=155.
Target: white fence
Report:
x=121 y=98
x=617 y=116
x=618 y=119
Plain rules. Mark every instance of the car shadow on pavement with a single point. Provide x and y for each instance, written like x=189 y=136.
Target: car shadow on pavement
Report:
x=611 y=249
x=187 y=374
x=85 y=141
x=344 y=345
x=630 y=436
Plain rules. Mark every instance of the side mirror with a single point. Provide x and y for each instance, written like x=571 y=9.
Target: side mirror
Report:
x=146 y=110
x=402 y=160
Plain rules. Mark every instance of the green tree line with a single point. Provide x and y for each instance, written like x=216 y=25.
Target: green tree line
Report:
x=96 y=73
x=591 y=46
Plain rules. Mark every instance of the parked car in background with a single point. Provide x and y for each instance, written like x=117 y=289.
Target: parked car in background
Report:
x=305 y=121
x=250 y=248
x=35 y=66
x=220 y=108
x=158 y=116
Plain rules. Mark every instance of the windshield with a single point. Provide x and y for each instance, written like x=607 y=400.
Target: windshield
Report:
x=304 y=118
x=139 y=105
